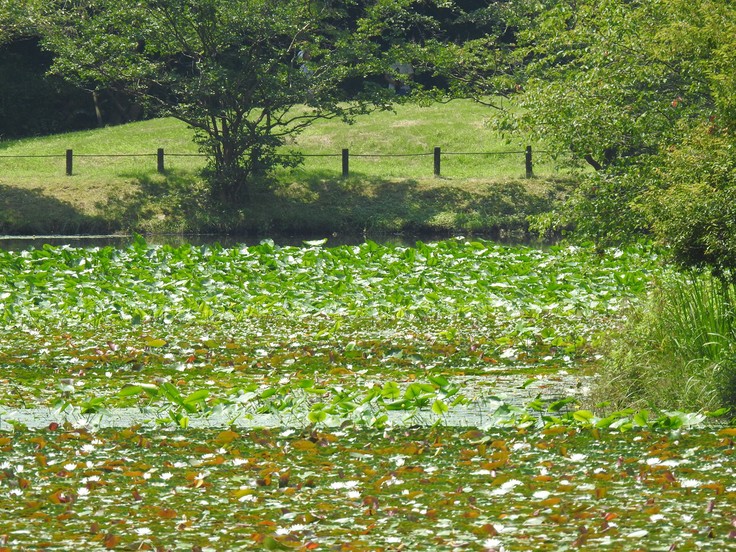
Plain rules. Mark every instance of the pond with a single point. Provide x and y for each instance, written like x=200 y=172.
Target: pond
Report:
x=275 y=323
x=18 y=243
x=515 y=389
x=290 y=344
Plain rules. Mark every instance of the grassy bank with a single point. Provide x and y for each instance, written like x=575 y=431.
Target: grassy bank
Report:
x=476 y=193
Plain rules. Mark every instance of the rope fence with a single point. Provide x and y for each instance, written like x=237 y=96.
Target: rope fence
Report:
x=345 y=155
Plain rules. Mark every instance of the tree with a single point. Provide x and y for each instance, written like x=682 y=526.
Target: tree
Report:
x=693 y=207
x=16 y=20
x=643 y=93
x=244 y=74
x=31 y=101
x=461 y=49
x=598 y=82
x=691 y=198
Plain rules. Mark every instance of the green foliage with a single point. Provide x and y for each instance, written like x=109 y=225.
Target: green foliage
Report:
x=677 y=349
x=471 y=55
x=608 y=81
x=223 y=319
x=33 y=103
x=601 y=208
x=231 y=70
x=693 y=207
x=17 y=19
x=633 y=89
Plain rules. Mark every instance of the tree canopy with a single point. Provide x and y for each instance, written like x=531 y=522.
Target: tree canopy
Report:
x=245 y=74
x=644 y=93
x=16 y=19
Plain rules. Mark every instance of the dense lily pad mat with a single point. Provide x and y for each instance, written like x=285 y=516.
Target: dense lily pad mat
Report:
x=415 y=489
x=322 y=333
x=80 y=324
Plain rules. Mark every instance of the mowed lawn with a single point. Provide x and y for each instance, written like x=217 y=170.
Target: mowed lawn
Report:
x=115 y=184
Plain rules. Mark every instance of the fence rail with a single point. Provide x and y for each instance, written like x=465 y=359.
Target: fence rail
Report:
x=345 y=155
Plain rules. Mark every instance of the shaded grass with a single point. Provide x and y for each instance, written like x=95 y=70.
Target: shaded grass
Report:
x=484 y=194
x=354 y=206
x=366 y=204
x=33 y=211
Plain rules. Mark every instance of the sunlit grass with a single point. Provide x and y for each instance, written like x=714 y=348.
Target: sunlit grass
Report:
x=457 y=127
x=115 y=184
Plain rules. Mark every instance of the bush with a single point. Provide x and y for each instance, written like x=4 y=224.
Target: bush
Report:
x=693 y=208
x=677 y=350
x=602 y=208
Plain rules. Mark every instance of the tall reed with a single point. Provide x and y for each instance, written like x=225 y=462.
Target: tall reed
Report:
x=677 y=350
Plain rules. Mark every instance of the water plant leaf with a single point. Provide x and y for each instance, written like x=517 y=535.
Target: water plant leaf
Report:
x=375 y=342
x=155 y=343
x=439 y=407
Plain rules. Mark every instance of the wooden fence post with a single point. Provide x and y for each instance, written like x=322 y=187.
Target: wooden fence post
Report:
x=160 y=160
x=69 y=162
x=437 y=160
x=529 y=167
x=345 y=162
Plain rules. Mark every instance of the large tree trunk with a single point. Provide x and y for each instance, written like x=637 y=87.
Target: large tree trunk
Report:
x=98 y=110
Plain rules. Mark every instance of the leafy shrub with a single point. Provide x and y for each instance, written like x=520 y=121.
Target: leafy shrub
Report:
x=693 y=209
x=601 y=209
x=677 y=350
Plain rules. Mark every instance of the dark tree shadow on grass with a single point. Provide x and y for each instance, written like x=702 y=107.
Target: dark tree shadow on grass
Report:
x=317 y=203
x=321 y=203
x=175 y=202
x=31 y=212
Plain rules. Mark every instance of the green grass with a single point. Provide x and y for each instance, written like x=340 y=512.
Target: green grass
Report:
x=457 y=127
x=475 y=193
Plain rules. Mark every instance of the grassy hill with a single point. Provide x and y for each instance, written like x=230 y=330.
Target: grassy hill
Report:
x=115 y=186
